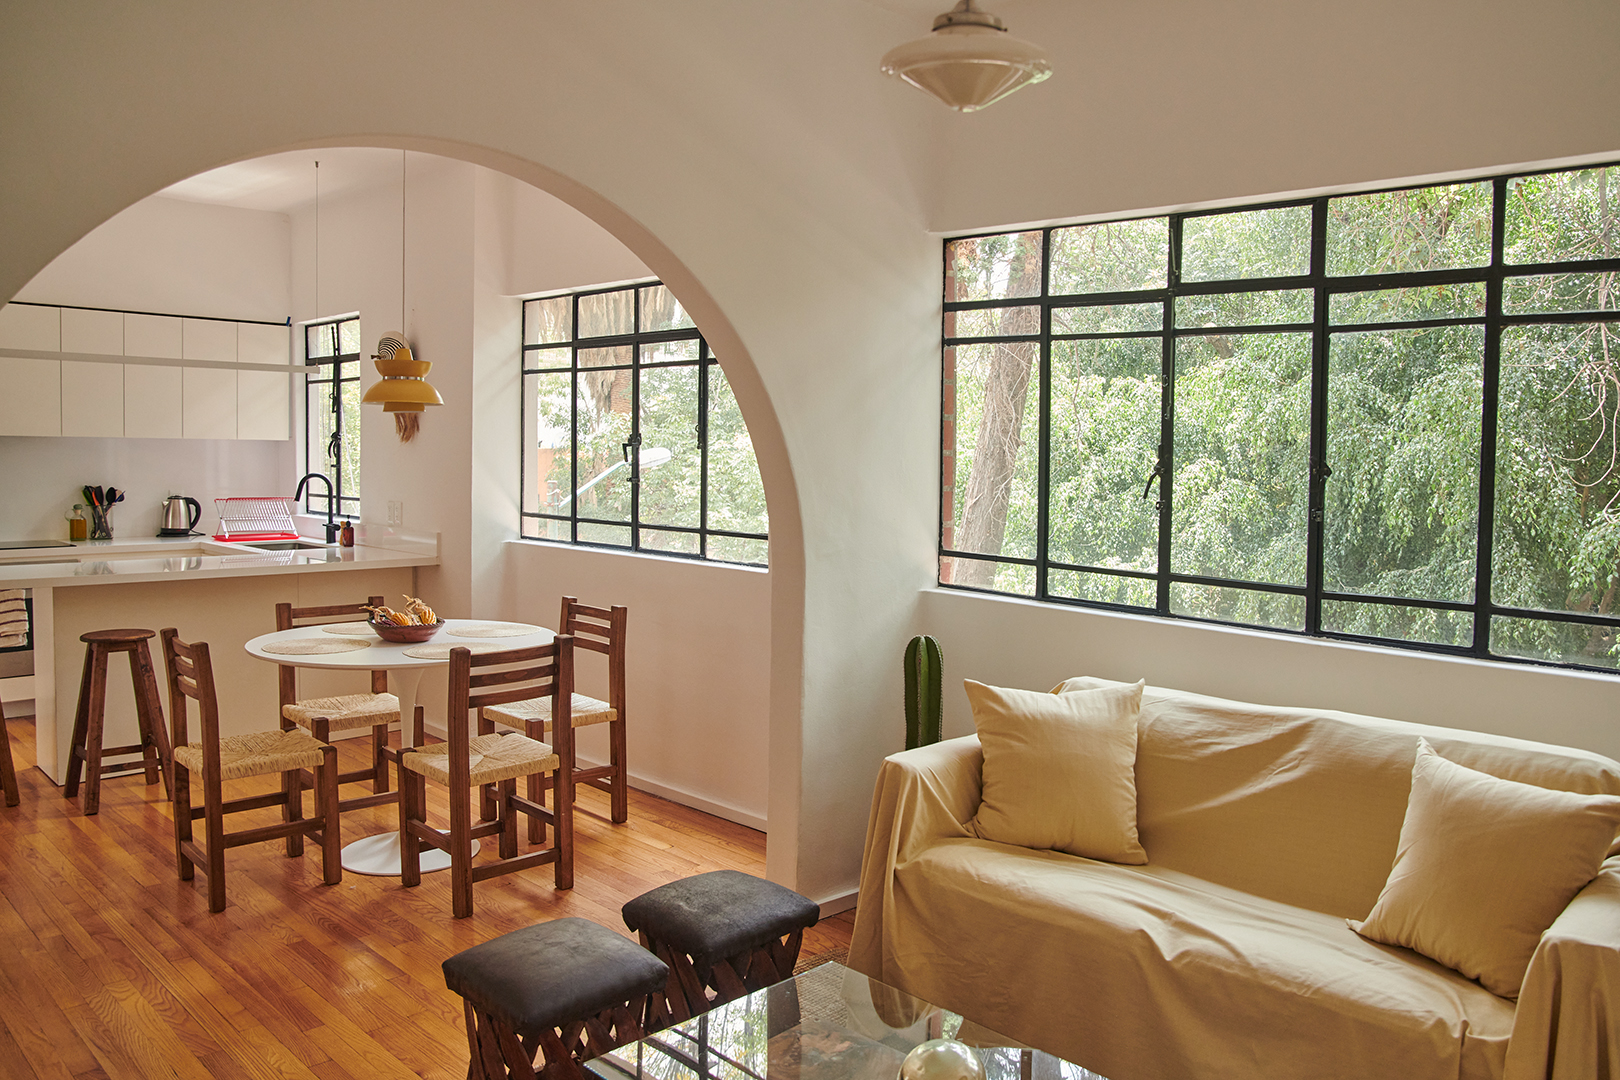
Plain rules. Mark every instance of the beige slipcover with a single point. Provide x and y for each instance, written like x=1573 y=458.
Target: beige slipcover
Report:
x=1228 y=955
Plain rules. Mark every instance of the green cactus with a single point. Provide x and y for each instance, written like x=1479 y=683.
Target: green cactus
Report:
x=924 y=674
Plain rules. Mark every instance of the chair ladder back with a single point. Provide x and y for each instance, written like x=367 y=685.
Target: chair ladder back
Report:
x=191 y=675
x=288 y=618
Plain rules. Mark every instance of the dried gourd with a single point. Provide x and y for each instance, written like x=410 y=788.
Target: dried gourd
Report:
x=424 y=614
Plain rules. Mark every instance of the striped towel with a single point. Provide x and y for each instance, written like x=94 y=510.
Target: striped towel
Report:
x=13 y=619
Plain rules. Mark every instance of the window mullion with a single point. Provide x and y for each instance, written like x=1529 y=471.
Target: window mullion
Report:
x=1318 y=463
x=1167 y=414
x=1043 y=470
x=1489 y=402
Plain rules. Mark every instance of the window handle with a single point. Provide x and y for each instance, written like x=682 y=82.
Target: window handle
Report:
x=1158 y=471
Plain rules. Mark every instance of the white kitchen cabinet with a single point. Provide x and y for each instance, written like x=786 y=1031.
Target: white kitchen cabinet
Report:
x=207 y=403
x=263 y=397
x=257 y=343
x=24 y=326
x=88 y=331
x=31 y=401
x=152 y=335
x=152 y=401
x=92 y=399
x=207 y=339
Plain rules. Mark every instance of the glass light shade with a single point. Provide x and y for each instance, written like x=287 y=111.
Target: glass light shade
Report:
x=968 y=66
x=402 y=387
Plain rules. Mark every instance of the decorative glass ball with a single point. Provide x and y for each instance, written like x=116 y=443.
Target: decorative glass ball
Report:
x=942 y=1059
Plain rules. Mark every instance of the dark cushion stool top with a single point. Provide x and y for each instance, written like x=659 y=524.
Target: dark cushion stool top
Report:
x=726 y=932
x=569 y=974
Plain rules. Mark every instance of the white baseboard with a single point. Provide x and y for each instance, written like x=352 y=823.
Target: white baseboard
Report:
x=836 y=904
x=18 y=689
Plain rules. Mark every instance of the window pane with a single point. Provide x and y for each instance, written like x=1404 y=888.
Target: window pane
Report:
x=1560 y=642
x=671 y=464
x=993 y=267
x=320 y=341
x=1108 y=318
x=1242 y=438
x=1565 y=215
x=1278 y=611
x=1246 y=308
x=736 y=493
x=996 y=426
x=1251 y=244
x=993 y=322
x=1104 y=443
x=604 y=427
x=1432 y=228
x=1461 y=301
x=670 y=352
x=349 y=466
x=607 y=314
x=1399 y=623
x=592 y=533
x=1101 y=588
x=349 y=336
x=320 y=422
x=1557 y=537
x=547 y=529
x=1561 y=292
x=984 y=574
x=677 y=543
x=1116 y=256
x=616 y=356
x=548 y=461
x=738 y=550
x=549 y=359
x=1402 y=505
x=548 y=321
x=661 y=311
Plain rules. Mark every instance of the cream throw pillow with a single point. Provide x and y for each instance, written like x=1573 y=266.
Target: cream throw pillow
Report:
x=1060 y=770
x=1484 y=866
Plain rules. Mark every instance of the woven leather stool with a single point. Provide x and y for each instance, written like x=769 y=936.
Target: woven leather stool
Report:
x=725 y=932
x=86 y=752
x=568 y=989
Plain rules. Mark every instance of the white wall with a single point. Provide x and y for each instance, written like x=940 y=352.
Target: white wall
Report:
x=554 y=246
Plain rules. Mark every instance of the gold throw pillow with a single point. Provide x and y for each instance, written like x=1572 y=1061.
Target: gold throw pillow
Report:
x=1060 y=770
x=1484 y=866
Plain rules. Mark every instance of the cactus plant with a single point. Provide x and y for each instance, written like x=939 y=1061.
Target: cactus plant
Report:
x=924 y=674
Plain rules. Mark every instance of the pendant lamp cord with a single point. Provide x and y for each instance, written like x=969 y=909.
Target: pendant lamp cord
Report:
x=402 y=242
x=317 y=312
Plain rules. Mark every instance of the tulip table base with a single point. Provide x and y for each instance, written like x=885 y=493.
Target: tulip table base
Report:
x=379 y=856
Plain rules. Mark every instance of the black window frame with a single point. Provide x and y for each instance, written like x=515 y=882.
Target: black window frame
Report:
x=325 y=391
x=706 y=365
x=1323 y=286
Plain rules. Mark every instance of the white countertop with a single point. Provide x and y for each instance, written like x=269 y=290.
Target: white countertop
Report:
x=133 y=559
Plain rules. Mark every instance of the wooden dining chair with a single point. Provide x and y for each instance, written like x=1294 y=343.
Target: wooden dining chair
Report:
x=8 y=769
x=465 y=763
x=217 y=759
x=600 y=630
x=323 y=717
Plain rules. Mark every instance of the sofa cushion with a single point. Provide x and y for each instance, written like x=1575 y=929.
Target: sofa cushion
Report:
x=1059 y=769
x=1144 y=972
x=1485 y=866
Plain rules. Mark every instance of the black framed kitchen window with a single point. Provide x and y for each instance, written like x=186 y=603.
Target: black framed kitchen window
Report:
x=332 y=414
x=1385 y=417
x=632 y=437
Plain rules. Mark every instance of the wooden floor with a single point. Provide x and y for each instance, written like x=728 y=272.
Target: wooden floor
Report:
x=110 y=966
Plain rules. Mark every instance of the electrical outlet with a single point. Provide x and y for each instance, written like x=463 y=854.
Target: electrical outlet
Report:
x=396 y=513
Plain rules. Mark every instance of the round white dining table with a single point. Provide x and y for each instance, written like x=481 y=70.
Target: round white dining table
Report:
x=379 y=855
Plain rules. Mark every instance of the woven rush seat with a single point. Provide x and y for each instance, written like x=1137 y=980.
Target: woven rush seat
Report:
x=344 y=712
x=256 y=753
x=586 y=710
x=570 y=988
x=493 y=758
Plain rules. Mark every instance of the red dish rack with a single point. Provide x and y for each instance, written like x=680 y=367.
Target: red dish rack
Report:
x=257 y=518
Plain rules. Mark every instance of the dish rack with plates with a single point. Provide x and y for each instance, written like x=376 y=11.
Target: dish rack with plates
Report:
x=256 y=518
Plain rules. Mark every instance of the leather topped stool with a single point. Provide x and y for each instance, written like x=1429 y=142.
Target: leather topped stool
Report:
x=569 y=989
x=86 y=750
x=726 y=932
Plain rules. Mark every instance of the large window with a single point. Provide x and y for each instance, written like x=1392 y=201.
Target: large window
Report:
x=332 y=414
x=631 y=436
x=1384 y=417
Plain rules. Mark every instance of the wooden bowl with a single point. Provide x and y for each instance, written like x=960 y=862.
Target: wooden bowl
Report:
x=401 y=635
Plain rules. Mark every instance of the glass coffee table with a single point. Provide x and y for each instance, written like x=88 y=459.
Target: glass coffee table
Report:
x=830 y=1023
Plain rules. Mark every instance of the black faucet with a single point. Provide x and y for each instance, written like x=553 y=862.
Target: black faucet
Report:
x=331 y=503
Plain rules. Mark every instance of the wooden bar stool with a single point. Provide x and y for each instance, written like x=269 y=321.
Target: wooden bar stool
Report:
x=8 y=771
x=86 y=752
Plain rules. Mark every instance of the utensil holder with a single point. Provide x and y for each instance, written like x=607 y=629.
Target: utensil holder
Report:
x=101 y=523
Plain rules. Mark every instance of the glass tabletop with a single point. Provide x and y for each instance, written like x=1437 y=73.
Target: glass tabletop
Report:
x=829 y=1023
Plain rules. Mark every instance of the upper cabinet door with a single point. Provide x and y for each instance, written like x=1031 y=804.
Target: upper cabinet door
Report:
x=208 y=339
x=92 y=394
x=24 y=326
x=263 y=398
x=260 y=344
x=152 y=335
x=30 y=396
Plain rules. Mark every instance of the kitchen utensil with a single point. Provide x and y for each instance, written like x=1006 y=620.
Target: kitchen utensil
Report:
x=179 y=516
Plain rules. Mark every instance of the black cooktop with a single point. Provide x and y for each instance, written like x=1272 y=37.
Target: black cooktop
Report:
x=12 y=545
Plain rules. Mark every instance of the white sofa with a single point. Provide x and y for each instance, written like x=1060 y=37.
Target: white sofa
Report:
x=1228 y=954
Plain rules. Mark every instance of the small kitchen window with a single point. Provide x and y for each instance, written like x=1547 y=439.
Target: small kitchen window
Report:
x=632 y=437
x=332 y=414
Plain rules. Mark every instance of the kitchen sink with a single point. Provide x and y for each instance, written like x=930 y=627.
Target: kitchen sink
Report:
x=285 y=545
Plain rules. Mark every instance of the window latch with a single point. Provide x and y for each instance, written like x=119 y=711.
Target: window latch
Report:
x=634 y=462
x=1158 y=471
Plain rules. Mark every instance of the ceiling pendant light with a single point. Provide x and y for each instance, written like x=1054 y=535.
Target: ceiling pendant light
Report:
x=969 y=61
x=403 y=389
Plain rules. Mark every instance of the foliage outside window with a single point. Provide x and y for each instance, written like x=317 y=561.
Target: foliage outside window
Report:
x=1385 y=417
x=631 y=435
x=332 y=414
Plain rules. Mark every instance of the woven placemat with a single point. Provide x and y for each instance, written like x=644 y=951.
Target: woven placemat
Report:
x=311 y=646
x=495 y=629
x=440 y=650
x=350 y=629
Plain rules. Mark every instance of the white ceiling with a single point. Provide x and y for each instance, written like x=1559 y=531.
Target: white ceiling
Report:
x=285 y=182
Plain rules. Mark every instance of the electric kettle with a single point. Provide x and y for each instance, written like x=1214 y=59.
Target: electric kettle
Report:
x=174 y=517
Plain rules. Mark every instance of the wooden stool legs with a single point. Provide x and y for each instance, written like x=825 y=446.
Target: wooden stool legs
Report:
x=86 y=750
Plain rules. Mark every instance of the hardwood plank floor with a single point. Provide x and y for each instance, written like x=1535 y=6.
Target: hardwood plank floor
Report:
x=112 y=967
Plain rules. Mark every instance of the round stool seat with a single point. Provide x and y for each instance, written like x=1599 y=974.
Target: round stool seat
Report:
x=117 y=637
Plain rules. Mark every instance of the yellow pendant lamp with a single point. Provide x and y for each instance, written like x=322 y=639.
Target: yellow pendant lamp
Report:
x=403 y=388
